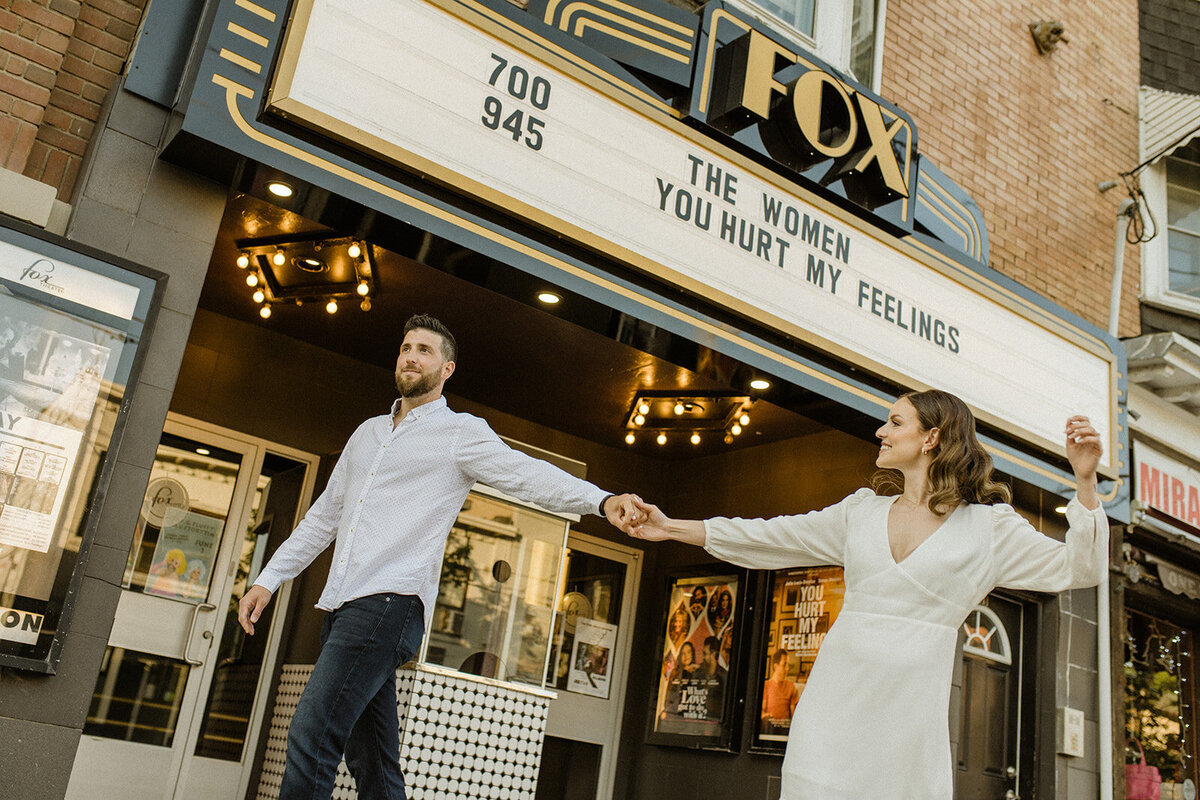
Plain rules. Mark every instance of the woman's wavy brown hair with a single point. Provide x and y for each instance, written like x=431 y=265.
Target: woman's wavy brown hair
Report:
x=961 y=471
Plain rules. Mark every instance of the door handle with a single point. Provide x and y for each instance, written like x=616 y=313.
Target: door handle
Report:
x=1011 y=795
x=187 y=643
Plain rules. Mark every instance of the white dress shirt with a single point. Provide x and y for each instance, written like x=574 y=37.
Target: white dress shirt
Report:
x=394 y=495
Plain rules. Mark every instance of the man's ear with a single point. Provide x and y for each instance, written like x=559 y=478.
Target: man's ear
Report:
x=447 y=370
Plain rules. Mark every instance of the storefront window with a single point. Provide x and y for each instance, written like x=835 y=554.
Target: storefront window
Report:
x=496 y=598
x=1183 y=220
x=1159 y=701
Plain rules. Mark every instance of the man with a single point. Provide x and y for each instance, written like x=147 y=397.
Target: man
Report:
x=388 y=508
x=713 y=677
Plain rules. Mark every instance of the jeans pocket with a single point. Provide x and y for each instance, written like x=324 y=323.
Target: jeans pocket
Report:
x=413 y=631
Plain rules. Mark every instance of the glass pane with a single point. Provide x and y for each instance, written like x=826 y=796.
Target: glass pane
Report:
x=1183 y=206
x=183 y=513
x=1184 y=262
x=493 y=611
x=137 y=697
x=862 y=40
x=1159 y=699
x=797 y=13
x=240 y=657
x=592 y=591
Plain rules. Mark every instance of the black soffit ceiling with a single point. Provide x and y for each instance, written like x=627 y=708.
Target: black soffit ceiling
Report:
x=574 y=367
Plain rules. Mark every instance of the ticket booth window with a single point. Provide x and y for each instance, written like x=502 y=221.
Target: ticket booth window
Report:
x=495 y=600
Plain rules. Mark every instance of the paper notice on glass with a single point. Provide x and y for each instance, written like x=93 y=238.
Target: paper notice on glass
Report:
x=35 y=459
x=592 y=657
x=183 y=557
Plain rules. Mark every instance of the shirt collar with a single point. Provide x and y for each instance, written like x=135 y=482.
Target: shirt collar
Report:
x=421 y=410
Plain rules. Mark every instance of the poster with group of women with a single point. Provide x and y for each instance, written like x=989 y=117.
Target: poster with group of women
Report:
x=697 y=655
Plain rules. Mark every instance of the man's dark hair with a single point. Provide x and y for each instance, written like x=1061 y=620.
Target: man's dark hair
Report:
x=713 y=643
x=429 y=323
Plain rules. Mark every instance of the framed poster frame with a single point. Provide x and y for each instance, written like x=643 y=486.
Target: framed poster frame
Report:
x=75 y=324
x=683 y=711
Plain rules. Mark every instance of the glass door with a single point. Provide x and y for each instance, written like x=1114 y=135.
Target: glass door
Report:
x=589 y=661
x=180 y=687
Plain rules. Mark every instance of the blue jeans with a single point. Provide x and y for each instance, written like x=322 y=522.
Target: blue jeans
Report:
x=349 y=704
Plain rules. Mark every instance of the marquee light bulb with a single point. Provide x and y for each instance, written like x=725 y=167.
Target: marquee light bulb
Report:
x=662 y=438
x=278 y=258
x=331 y=306
x=259 y=296
x=243 y=261
x=363 y=288
x=639 y=420
x=630 y=438
x=354 y=251
x=735 y=429
x=264 y=312
x=252 y=280
x=744 y=419
x=678 y=409
x=644 y=408
x=695 y=438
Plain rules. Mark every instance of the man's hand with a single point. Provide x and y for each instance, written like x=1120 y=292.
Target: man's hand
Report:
x=252 y=604
x=622 y=512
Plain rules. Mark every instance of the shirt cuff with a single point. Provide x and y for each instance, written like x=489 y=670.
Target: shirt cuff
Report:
x=269 y=581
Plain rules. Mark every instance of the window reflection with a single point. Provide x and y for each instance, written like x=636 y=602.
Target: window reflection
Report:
x=1159 y=700
x=496 y=596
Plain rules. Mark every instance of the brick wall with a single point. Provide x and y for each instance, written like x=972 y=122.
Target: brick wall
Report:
x=1029 y=136
x=1170 y=31
x=58 y=59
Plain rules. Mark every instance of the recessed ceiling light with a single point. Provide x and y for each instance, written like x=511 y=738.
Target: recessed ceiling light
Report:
x=280 y=189
x=549 y=298
x=759 y=383
x=203 y=451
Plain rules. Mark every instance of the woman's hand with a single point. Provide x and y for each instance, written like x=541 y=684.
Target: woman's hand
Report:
x=652 y=524
x=1084 y=447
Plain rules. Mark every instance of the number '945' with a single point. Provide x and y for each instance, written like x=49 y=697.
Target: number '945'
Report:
x=516 y=122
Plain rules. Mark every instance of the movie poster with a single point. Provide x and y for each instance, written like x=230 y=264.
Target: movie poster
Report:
x=697 y=654
x=591 y=657
x=804 y=603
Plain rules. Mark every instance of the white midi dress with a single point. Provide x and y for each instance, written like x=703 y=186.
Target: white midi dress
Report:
x=872 y=721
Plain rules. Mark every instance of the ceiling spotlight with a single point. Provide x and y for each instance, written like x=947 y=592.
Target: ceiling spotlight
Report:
x=243 y=261
x=331 y=306
x=354 y=251
x=365 y=305
x=760 y=384
x=695 y=438
x=744 y=419
x=678 y=409
x=279 y=258
x=264 y=312
x=735 y=429
x=643 y=408
x=630 y=438
x=662 y=438
x=640 y=419
x=280 y=189
x=259 y=295
x=549 y=298
x=252 y=279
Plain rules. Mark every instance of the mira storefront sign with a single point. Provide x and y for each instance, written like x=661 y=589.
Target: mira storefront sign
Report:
x=458 y=103
x=1167 y=485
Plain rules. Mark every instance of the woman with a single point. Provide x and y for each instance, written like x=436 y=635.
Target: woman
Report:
x=683 y=671
x=872 y=720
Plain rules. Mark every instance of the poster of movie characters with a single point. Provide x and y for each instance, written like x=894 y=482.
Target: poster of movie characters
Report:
x=696 y=655
x=804 y=603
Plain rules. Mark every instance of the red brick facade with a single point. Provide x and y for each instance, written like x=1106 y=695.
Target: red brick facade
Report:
x=1029 y=136
x=58 y=59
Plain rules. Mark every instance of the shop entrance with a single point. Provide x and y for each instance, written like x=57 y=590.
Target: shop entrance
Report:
x=179 y=700
x=989 y=744
x=589 y=661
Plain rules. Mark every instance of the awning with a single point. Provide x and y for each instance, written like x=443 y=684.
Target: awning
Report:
x=1169 y=120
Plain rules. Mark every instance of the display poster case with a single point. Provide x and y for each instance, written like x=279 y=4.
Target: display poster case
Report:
x=73 y=325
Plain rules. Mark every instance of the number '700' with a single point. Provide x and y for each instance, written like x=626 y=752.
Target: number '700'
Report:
x=516 y=81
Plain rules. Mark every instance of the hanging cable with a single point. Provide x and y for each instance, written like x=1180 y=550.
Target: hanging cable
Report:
x=1136 y=230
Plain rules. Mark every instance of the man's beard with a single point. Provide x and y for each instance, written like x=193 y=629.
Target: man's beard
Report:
x=423 y=385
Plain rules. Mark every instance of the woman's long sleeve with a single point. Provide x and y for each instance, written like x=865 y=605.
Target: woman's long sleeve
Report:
x=1024 y=558
x=803 y=540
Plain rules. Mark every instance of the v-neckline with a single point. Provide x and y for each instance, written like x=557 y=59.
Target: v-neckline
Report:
x=887 y=534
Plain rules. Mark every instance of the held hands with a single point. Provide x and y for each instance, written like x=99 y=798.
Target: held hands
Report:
x=651 y=523
x=251 y=606
x=621 y=511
